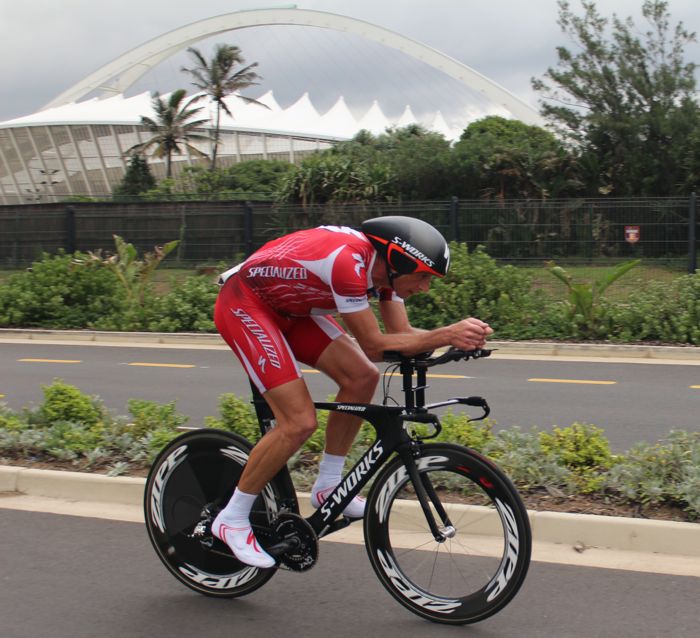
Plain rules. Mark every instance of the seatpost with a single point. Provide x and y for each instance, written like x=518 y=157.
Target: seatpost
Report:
x=407 y=374
x=421 y=376
x=265 y=416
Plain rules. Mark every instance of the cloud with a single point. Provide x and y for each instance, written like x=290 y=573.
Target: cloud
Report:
x=47 y=46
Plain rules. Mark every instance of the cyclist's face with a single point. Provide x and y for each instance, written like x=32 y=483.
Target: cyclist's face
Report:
x=407 y=285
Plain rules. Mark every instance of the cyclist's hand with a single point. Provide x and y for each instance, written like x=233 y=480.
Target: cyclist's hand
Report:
x=470 y=333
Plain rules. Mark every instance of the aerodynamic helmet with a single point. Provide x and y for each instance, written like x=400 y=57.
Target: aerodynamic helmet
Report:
x=408 y=245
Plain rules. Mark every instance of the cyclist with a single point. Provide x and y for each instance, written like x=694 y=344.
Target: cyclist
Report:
x=276 y=308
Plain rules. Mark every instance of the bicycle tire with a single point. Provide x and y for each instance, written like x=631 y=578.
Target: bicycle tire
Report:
x=465 y=578
x=197 y=469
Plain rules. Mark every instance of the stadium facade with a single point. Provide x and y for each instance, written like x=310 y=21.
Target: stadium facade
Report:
x=77 y=144
x=80 y=149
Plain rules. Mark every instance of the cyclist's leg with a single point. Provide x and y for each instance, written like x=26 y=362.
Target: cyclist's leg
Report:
x=321 y=342
x=254 y=333
x=357 y=378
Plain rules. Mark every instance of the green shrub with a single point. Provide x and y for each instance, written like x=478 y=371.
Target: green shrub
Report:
x=65 y=403
x=581 y=448
x=54 y=293
x=149 y=417
x=10 y=422
x=188 y=307
x=584 y=299
x=476 y=286
x=521 y=456
x=668 y=471
x=237 y=415
x=667 y=312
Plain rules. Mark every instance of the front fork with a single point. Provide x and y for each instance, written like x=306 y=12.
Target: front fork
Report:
x=426 y=494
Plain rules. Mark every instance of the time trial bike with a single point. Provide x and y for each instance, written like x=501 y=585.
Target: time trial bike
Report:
x=445 y=529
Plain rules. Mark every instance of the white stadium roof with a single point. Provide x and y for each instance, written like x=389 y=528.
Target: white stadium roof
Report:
x=300 y=118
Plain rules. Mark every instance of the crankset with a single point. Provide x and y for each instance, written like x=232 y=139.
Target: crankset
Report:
x=292 y=541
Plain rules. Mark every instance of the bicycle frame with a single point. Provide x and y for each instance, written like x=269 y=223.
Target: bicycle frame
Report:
x=392 y=436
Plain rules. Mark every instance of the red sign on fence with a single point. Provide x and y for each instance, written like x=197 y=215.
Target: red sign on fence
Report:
x=632 y=234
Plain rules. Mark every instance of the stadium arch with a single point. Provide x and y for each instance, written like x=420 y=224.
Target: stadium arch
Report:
x=118 y=75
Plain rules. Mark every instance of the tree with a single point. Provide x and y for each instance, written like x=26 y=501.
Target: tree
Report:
x=627 y=99
x=420 y=160
x=501 y=158
x=172 y=128
x=252 y=179
x=137 y=179
x=218 y=78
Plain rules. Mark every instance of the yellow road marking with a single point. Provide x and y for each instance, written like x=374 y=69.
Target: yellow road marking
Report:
x=50 y=360
x=585 y=381
x=695 y=387
x=162 y=365
x=2 y=396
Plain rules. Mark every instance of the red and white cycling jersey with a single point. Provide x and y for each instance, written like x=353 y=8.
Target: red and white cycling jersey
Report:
x=270 y=308
x=311 y=272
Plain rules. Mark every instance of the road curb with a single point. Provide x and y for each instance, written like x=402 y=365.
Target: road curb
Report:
x=518 y=348
x=581 y=530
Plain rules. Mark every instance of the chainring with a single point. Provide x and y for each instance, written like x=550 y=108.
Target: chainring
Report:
x=292 y=527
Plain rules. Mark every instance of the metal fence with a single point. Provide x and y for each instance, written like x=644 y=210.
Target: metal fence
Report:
x=570 y=231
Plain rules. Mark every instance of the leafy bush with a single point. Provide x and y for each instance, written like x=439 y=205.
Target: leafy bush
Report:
x=581 y=448
x=667 y=312
x=477 y=286
x=188 y=307
x=54 y=293
x=64 y=402
x=149 y=416
x=668 y=471
x=584 y=299
x=74 y=428
x=237 y=415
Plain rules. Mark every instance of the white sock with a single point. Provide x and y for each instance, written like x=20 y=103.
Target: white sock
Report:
x=330 y=471
x=237 y=510
x=232 y=526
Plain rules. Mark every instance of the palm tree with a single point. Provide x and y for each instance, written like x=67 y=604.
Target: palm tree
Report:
x=172 y=128
x=218 y=78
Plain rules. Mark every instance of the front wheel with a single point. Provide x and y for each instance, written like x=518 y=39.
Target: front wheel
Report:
x=483 y=554
x=192 y=478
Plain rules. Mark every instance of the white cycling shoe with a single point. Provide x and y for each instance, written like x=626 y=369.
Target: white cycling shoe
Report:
x=242 y=542
x=354 y=509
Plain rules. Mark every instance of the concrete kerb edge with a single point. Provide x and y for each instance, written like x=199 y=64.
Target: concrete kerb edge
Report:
x=522 y=348
x=588 y=531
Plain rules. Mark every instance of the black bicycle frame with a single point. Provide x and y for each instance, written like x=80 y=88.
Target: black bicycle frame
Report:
x=392 y=436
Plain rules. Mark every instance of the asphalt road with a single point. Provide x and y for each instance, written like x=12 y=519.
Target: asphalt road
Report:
x=632 y=401
x=69 y=577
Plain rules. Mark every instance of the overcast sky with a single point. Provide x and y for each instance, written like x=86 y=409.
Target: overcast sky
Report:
x=46 y=46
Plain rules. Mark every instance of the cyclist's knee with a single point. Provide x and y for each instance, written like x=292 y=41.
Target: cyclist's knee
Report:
x=299 y=429
x=362 y=382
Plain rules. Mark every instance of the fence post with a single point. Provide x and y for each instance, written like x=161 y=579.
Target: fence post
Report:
x=182 y=235
x=70 y=230
x=248 y=228
x=692 y=249
x=454 y=221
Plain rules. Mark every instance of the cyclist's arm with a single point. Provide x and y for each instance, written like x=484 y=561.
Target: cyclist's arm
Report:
x=466 y=334
x=395 y=317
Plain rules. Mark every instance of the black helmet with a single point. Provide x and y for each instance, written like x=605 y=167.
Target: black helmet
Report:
x=408 y=245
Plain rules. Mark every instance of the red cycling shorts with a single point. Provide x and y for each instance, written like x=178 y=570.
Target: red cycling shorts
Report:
x=268 y=344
